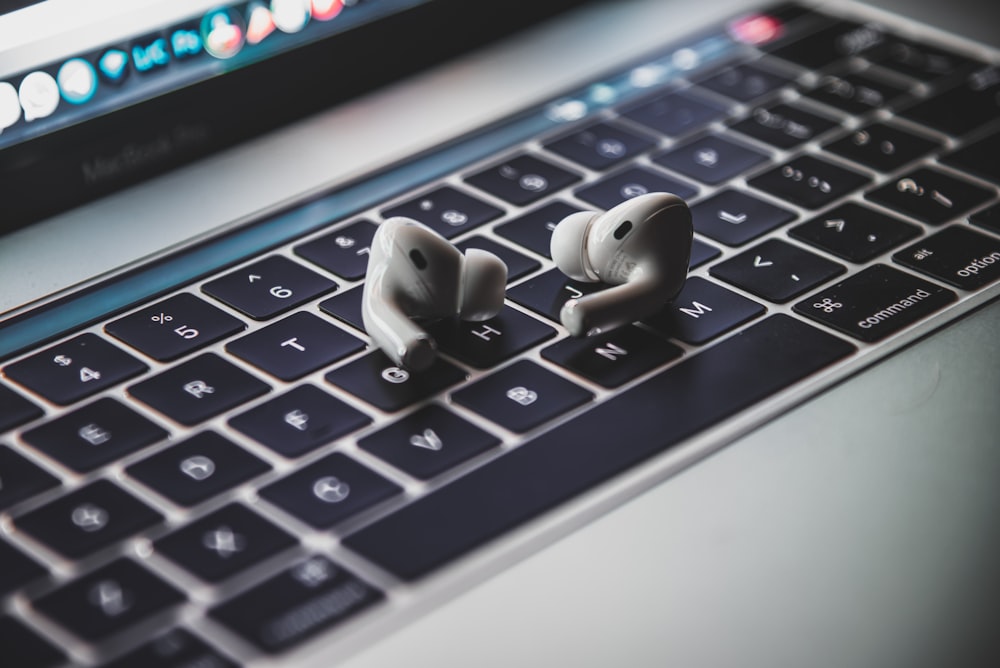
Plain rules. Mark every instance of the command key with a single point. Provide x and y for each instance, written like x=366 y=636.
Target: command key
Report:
x=875 y=303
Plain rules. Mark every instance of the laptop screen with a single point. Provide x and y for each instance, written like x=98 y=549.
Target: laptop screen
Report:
x=98 y=95
x=137 y=51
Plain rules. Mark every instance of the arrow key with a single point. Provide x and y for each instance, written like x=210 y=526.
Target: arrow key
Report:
x=776 y=270
x=854 y=232
x=428 y=442
x=734 y=217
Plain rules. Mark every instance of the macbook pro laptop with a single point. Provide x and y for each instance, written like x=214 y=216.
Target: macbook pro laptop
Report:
x=204 y=461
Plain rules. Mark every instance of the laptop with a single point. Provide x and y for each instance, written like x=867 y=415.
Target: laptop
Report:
x=205 y=462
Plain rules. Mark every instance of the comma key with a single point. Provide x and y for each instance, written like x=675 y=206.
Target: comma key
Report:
x=875 y=303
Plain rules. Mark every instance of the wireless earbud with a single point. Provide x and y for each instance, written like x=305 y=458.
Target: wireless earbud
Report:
x=641 y=246
x=414 y=272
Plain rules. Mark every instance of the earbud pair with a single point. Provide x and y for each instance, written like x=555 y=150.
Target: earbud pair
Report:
x=641 y=247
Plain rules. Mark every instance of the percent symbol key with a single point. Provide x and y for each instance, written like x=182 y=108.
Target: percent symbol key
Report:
x=174 y=327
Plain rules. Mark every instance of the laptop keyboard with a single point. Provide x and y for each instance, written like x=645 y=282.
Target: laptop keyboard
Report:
x=235 y=454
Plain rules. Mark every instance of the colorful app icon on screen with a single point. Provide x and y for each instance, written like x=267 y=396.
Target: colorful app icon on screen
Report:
x=113 y=65
x=150 y=54
x=223 y=33
x=290 y=15
x=10 y=108
x=260 y=23
x=77 y=80
x=185 y=43
x=39 y=95
x=324 y=10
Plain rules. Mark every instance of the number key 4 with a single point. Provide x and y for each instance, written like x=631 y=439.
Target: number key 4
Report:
x=268 y=287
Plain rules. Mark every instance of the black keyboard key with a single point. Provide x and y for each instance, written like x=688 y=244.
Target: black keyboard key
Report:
x=428 y=442
x=734 y=217
x=854 y=232
x=919 y=60
x=23 y=648
x=448 y=211
x=21 y=479
x=522 y=179
x=702 y=253
x=521 y=396
x=600 y=145
x=94 y=435
x=612 y=358
x=75 y=369
x=294 y=346
x=809 y=182
x=978 y=158
x=378 y=381
x=597 y=445
x=745 y=83
x=329 y=491
x=489 y=342
x=987 y=218
x=961 y=109
x=711 y=159
x=15 y=410
x=197 y=469
x=344 y=252
x=16 y=569
x=518 y=265
x=174 y=327
x=311 y=596
x=346 y=307
x=675 y=113
x=88 y=519
x=268 y=287
x=855 y=93
x=784 y=126
x=547 y=292
x=875 y=303
x=930 y=195
x=956 y=255
x=702 y=311
x=776 y=270
x=533 y=230
x=198 y=389
x=108 y=600
x=224 y=543
x=299 y=421
x=884 y=148
x=176 y=648
x=635 y=181
x=829 y=45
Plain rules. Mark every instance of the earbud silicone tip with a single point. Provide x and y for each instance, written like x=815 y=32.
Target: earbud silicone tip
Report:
x=568 y=246
x=484 y=283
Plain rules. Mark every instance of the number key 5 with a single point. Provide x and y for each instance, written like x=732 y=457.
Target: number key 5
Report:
x=174 y=327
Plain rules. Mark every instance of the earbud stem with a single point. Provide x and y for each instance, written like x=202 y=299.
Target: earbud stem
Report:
x=405 y=342
x=616 y=306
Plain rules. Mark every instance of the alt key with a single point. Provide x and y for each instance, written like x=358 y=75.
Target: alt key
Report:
x=956 y=255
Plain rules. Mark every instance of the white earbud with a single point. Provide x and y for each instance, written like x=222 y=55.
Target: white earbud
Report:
x=642 y=246
x=415 y=272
